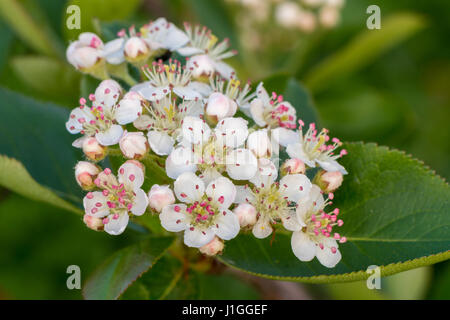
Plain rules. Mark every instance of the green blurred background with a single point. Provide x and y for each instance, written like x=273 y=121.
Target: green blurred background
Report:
x=392 y=88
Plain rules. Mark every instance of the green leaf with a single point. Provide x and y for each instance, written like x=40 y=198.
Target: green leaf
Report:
x=363 y=49
x=34 y=133
x=15 y=177
x=104 y=10
x=60 y=79
x=396 y=215
x=35 y=34
x=158 y=282
x=120 y=270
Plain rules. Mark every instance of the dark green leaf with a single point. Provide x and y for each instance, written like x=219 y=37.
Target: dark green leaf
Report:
x=34 y=133
x=120 y=270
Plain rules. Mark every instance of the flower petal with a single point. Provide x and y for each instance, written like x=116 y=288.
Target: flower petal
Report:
x=257 y=112
x=128 y=110
x=113 y=51
x=173 y=217
x=232 y=131
x=132 y=175
x=325 y=256
x=189 y=51
x=209 y=175
x=262 y=229
x=227 y=225
x=266 y=174
x=195 y=237
x=223 y=191
x=290 y=221
x=285 y=136
x=107 y=93
x=95 y=204
x=243 y=194
x=332 y=165
x=295 y=186
x=189 y=188
x=241 y=164
x=111 y=136
x=117 y=226
x=195 y=130
x=302 y=246
x=296 y=151
x=180 y=160
x=187 y=92
x=224 y=69
x=140 y=203
x=160 y=142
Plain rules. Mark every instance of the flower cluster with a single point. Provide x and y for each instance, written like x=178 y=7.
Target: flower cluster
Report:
x=222 y=166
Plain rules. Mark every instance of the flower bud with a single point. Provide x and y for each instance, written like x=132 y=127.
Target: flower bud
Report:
x=328 y=181
x=218 y=107
x=160 y=197
x=85 y=174
x=246 y=214
x=259 y=143
x=134 y=145
x=93 y=223
x=329 y=16
x=293 y=166
x=93 y=150
x=136 y=50
x=201 y=66
x=86 y=54
x=213 y=248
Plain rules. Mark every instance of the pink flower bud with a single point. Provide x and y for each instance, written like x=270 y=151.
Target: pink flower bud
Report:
x=85 y=174
x=246 y=214
x=136 y=49
x=259 y=143
x=93 y=150
x=329 y=16
x=213 y=248
x=85 y=52
x=293 y=166
x=160 y=197
x=134 y=145
x=201 y=65
x=93 y=223
x=219 y=106
x=328 y=181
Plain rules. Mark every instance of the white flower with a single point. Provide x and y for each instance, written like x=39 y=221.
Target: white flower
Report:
x=85 y=52
x=312 y=148
x=274 y=201
x=213 y=152
x=272 y=111
x=105 y=118
x=163 y=119
x=85 y=174
x=205 y=52
x=119 y=197
x=167 y=78
x=161 y=34
x=160 y=197
x=204 y=212
x=134 y=145
x=316 y=238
